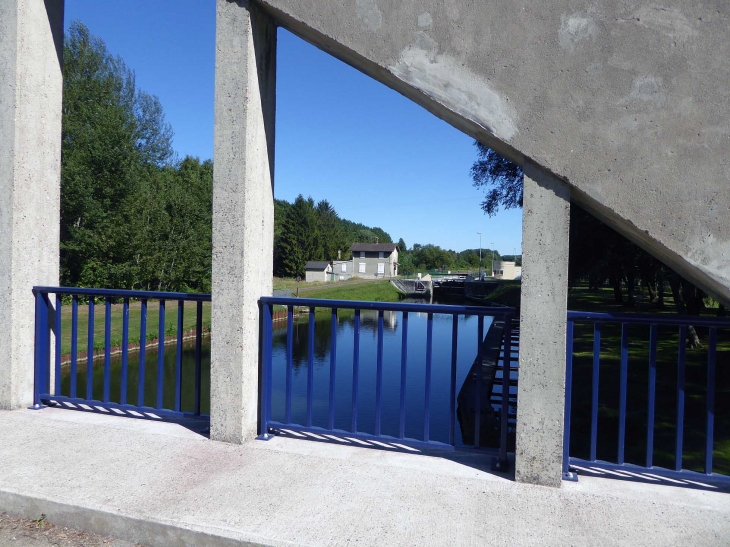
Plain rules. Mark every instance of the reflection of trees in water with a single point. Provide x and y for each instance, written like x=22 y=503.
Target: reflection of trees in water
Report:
x=323 y=332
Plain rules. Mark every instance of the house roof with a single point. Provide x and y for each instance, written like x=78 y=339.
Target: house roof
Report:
x=318 y=265
x=373 y=247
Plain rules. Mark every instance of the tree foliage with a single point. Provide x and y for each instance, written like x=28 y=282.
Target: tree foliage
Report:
x=501 y=180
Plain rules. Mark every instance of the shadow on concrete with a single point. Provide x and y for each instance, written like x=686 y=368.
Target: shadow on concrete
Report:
x=481 y=460
x=654 y=476
x=191 y=422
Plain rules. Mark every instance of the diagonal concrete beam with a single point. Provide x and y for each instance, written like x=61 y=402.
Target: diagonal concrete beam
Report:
x=627 y=103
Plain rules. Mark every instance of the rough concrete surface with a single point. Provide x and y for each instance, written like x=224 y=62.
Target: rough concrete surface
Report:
x=626 y=101
x=30 y=171
x=543 y=313
x=243 y=212
x=161 y=484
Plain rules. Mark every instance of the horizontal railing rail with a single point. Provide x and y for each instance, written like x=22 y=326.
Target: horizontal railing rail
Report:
x=48 y=367
x=653 y=322
x=352 y=362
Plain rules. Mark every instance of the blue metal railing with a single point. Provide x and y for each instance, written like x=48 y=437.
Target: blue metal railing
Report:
x=653 y=322
x=266 y=424
x=48 y=311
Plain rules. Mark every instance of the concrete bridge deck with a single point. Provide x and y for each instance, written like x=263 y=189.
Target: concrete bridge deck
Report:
x=164 y=484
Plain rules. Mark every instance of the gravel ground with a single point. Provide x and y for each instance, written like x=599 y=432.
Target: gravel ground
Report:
x=40 y=533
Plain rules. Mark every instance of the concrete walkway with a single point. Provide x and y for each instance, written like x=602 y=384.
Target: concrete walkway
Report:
x=162 y=484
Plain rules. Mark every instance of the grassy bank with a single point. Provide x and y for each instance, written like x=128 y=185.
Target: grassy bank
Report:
x=374 y=291
x=153 y=318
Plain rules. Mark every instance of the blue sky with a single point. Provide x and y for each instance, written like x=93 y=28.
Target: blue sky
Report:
x=377 y=157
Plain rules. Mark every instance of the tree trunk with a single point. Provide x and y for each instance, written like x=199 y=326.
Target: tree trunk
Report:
x=676 y=285
x=660 y=290
x=629 y=278
x=618 y=296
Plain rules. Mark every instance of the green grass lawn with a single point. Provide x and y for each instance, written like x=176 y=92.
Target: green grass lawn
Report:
x=153 y=317
x=373 y=291
x=637 y=391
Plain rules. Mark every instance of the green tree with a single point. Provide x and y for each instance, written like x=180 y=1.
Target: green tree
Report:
x=299 y=240
x=113 y=138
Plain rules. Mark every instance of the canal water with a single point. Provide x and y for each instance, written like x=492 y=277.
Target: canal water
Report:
x=392 y=339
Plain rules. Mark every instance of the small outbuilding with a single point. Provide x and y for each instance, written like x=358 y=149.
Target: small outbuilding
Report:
x=316 y=270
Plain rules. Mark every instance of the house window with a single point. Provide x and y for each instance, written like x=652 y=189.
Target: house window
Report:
x=381 y=268
x=381 y=255
x=362 y=254
x=344 y=267
x=361 y=268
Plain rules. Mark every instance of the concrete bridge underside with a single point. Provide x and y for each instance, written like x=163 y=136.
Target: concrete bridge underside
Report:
x=621 y=107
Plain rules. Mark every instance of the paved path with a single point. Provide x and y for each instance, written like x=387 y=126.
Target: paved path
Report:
x=162 y=484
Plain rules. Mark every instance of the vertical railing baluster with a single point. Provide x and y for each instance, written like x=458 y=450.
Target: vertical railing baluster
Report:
x=289 y=361
x=681 y=360
x=310 y=367
x=427 y=403
x=355 y=370
x=452 y=381
x=142 y=351
x=403 y=365
x=266 y=351
x=198 y=355
x=478 y=384
x=74 y=344
x=594 y=387
x=179 y=354
x=568 y=396
x=710 y=409
x=90 y=353
x=379 y=376
x=125 y=353
x=57 y=375
x=39 y=349
x=506 y=373
x=107 y=348
x=653 y=340
x=161 y=354
x=333 y=367
x=623 y=389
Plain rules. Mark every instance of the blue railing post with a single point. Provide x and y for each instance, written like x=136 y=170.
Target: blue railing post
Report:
x=142 y=352
x=478 y=383
x=90 y=353
x=266 y=380
x=355 y=370
x=333 y=368
x=107 y=349
x=427 y=403
x=653 y=341
x=681 y=359
x=567 y=475
x=289 y=360
x=161 y=355
x=74 y=345
x=179 y=354
x=57 y=329
x=623 y=389
x=310 y=366
x=403 y=365
x=41 y=348
x=594 y=387
x=125 y=353
x=452 y=380
x=198 y=354
x=710 y=405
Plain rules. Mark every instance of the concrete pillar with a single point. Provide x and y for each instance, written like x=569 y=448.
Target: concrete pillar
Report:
x=541 y=395
x=31 y=83
x=243 y=212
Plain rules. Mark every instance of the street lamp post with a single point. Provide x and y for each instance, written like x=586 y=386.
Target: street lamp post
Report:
x=492 y=244
x=480 y=256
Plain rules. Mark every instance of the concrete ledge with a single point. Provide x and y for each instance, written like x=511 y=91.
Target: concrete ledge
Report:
x=162 y=484
x=145 y=532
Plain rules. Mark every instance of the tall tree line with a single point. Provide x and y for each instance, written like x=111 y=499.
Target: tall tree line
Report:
x=305 y=230
x=132 y=215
